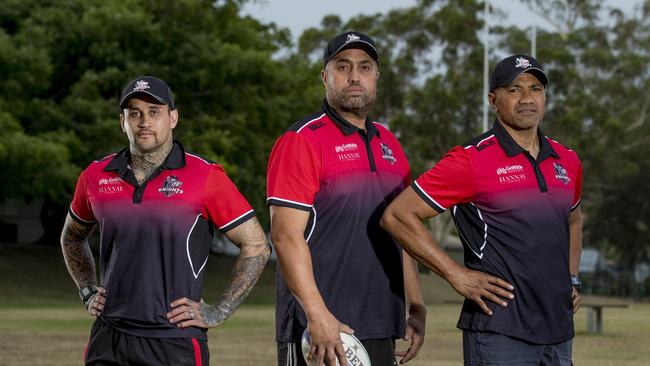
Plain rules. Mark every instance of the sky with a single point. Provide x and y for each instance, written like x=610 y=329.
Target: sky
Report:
x=297 y=15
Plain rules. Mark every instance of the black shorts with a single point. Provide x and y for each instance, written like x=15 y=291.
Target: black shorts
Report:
x=109 y=346
x=381 y=352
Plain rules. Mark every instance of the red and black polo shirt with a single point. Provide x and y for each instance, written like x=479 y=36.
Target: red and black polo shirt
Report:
x=344 y=177
x=512 y=213
x=155 y=237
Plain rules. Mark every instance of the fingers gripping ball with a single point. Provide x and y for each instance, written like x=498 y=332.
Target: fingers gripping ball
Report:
x=355 y=353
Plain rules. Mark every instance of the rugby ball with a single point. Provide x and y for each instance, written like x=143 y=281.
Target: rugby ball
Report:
x=355 y=353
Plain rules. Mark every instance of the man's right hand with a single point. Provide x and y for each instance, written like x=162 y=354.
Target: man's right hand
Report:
x=326 y=346
x=403 y=220
x=477 y=286
x=294 y=256
x=95 y=304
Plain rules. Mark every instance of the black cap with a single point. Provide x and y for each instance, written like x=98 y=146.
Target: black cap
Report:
x=147 y=85
x=350 y=39
x=508 y=69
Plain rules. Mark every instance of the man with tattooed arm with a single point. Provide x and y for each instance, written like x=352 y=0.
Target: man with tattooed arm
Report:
x=156 y=206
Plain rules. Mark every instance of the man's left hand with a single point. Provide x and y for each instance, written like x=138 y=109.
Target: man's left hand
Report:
x=188 y=313
x=415 y=325
x=576 y=299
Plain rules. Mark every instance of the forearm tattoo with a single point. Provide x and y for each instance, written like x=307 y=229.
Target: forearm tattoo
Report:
x=247 y=270
x=249 y=237
x=77 y=254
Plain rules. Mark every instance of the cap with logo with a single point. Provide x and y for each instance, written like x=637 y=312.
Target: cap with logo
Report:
x=347 y=40
x=508 y=69
x=148 y=85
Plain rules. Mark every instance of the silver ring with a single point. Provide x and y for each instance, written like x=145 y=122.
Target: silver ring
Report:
x=192 y=315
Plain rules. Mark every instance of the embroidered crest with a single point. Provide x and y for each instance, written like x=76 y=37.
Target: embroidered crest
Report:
x=561 y=174
x=171 y=186
x=387 y=154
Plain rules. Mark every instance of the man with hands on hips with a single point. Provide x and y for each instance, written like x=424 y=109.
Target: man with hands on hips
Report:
x=514 y=194
x=156 y=206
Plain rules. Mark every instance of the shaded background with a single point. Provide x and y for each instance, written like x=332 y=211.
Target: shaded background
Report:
x=240 y=81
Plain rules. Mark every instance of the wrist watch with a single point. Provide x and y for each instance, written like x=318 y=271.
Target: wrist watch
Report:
x=87 y=292
x=575 y=281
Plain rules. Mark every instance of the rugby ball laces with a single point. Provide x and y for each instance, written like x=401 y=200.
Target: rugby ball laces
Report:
x=355 y=353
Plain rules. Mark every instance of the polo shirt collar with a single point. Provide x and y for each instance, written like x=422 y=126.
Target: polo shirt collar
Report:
x=120 y=162
x=346 y=127
x=511 y=148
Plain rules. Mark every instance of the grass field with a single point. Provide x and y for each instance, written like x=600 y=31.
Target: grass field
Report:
x=43 y=323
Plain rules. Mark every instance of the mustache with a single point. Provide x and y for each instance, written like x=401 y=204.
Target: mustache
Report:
x=354 y=86
x=526 y=109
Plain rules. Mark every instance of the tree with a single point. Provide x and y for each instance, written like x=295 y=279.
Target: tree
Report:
x=599 y=59
x=65 y=63
x=430 y=93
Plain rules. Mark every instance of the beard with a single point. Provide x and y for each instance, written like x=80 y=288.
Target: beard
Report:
x=358 y=105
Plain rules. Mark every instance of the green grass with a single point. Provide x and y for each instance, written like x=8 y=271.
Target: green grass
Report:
x=42 y=321
x=33 y=276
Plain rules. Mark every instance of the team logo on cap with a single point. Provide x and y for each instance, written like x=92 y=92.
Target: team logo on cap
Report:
x=561 y=174
x=352 y=37
x=141 y=85
x=522 y=62
x=387 y=154
x=171 y=186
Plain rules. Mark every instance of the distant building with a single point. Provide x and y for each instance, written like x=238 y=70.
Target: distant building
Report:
x=591 y=261
x=20 y=221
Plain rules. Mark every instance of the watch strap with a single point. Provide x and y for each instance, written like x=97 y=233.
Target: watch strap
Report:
x=576 y=282
x=85 y=293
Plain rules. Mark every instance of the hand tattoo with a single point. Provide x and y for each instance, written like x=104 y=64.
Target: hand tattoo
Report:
x=211 y=315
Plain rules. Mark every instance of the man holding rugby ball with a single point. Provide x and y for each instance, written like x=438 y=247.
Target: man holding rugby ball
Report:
x=330 y=177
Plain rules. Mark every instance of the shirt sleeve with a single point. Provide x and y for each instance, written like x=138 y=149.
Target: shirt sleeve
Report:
x=577 y=195
x=224 y=205
x=293 y=173
x=80 y=208
x=449 y=182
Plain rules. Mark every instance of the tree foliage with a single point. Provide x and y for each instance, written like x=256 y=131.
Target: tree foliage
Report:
x=65 y=62
x=597 y=57
x=239 y=84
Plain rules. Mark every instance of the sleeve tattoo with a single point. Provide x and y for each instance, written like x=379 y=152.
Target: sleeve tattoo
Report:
x=253 y=255
x=76 y=252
